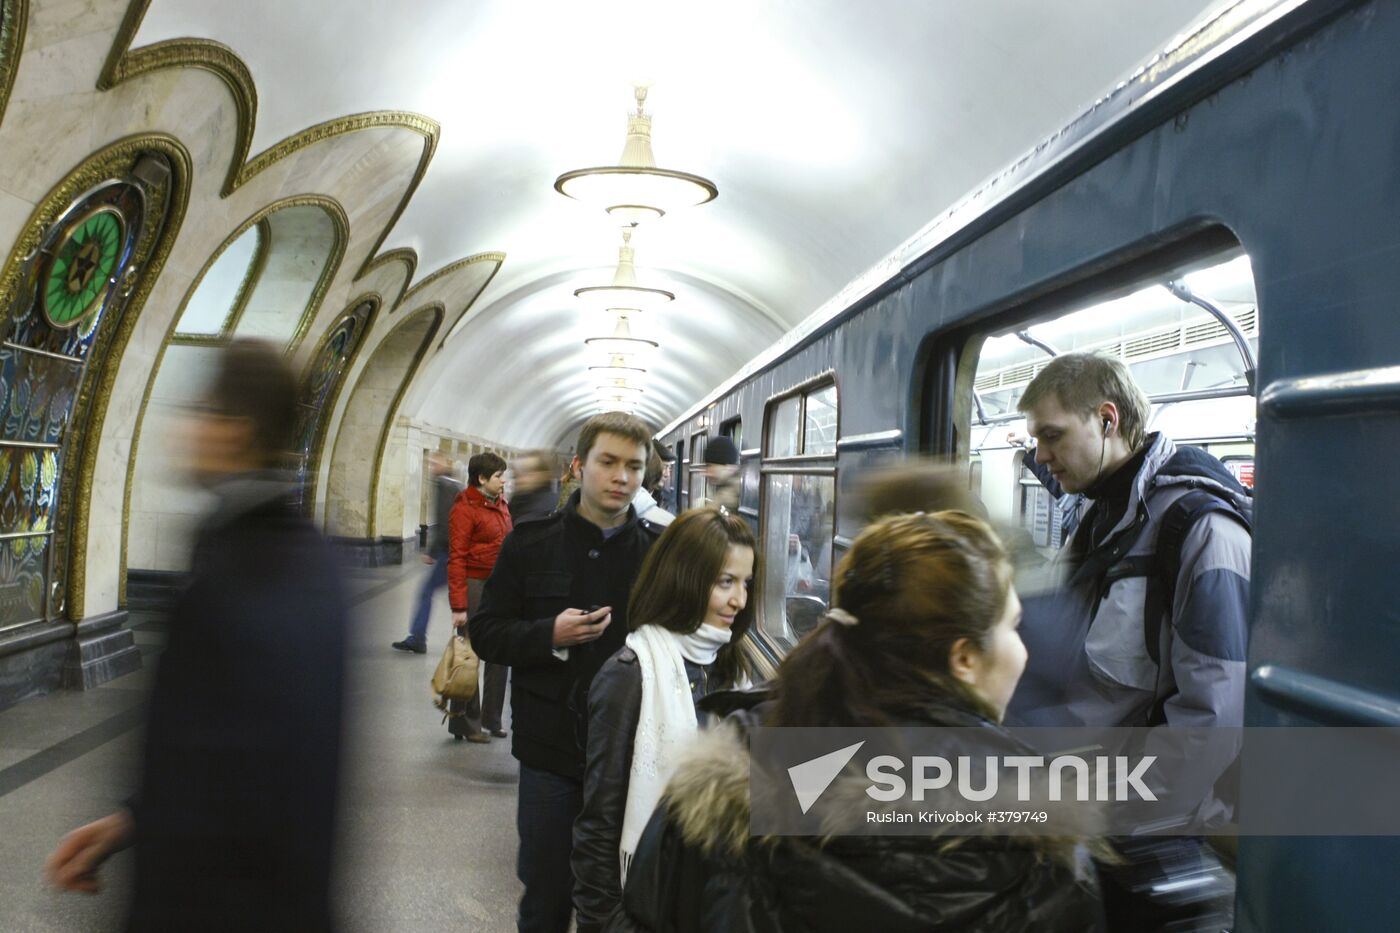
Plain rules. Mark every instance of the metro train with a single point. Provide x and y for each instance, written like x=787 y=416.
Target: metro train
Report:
x=1227 y=221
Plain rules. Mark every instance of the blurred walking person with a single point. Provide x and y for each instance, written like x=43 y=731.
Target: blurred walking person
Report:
x=479 y=522
x=533 y=494
x=234 y=817
x=445 y=492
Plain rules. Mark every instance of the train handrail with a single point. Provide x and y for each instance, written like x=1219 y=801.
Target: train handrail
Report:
x=1185 y=294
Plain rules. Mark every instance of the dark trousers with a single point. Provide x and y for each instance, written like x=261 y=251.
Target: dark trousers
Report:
x=544 y=817
x=484 y=711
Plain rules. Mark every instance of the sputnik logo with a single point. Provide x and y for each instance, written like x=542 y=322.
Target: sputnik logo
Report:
x=811 y=778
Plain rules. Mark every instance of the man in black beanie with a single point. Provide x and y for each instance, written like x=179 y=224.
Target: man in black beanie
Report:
x=722 y=482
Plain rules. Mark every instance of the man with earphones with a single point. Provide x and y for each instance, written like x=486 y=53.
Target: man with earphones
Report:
x=1153 y=588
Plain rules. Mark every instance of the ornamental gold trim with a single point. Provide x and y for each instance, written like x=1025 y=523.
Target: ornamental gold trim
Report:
x=404 y=254
x=14 y=20
x=124 y=63
x=439 y=311
x=207 y=55
x=313 y=463
x=497 y=258
x=165 y=212
x=251 y=276
x=313 y=306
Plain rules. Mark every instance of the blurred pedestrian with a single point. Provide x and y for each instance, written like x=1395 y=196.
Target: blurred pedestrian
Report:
x=479 y=522
x=722 y=484
x=532 y=495
x=234 y=817
x=645 y=502
x=445 y=492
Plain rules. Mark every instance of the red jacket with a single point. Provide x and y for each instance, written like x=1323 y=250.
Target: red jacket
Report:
x=475 y=532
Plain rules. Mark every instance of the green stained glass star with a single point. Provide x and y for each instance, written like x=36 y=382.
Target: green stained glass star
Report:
x=79 y=273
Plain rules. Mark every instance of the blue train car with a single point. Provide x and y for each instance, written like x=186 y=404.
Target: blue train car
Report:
x=1226 y=222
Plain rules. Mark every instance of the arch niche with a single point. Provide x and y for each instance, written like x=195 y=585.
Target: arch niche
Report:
x=370 y=474
x=266 y=281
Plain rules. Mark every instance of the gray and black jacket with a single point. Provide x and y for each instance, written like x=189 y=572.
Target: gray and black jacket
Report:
x=1094 y=667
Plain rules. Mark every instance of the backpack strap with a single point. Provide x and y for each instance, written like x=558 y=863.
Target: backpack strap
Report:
x=1178 y=520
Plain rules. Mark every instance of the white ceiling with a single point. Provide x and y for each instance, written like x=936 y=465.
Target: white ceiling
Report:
x=833 y=129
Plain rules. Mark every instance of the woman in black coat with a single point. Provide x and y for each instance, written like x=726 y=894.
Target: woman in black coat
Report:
x=234 y=817
x=688 y=613
x=925 y=636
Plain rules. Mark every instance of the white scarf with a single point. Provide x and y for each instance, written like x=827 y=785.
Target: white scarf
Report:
x=667 y=719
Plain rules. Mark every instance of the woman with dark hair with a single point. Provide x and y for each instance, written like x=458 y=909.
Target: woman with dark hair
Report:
x=688 y=612
x=925 y=635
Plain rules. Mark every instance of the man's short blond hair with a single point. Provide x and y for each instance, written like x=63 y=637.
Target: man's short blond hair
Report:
x=1081 y=382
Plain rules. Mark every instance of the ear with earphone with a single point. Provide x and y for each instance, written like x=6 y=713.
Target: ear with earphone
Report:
x=1107 y=426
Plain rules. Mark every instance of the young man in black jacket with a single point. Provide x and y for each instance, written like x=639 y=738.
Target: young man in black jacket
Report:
x=554 y=610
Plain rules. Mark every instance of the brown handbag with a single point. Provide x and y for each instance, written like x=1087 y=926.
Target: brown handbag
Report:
x=455 y=677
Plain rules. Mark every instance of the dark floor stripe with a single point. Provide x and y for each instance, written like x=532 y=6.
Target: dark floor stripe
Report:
x=75 y=746
x=94 y=737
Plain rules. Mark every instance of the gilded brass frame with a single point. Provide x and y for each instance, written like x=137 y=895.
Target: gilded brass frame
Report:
x=251 y=276
x=90 y=409
x=124 y=63
x=337 y=253
x=439 y=311
x=313 y=467
x=14 y=20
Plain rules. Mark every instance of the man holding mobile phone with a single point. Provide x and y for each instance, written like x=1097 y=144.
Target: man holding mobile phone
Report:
x=554 y=609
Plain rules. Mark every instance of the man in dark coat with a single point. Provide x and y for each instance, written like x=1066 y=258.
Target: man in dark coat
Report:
x=234 y=817
x=554 y=610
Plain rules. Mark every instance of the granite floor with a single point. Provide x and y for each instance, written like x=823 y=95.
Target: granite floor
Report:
x=428 y=825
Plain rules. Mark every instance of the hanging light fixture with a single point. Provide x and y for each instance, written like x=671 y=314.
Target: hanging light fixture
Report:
x=621 y=341
x=636 y=190
x=624 y=294
x=619 y=366
x=619 y=389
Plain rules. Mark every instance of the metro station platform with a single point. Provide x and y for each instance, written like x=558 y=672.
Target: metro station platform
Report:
x=427 y=825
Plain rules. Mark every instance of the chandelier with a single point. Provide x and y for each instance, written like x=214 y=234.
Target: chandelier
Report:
x=620 y=367
x=624 y=294
x=621 y=342
x=636 y=190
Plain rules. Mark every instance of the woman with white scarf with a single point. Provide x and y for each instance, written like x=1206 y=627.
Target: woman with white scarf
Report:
x=688 y=612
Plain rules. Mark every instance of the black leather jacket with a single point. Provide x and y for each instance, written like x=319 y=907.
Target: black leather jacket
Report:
x=559 y=562
x=698 y=870
x=614 y=707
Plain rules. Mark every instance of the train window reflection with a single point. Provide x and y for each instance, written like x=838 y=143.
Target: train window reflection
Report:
x=819 y=430
x=698 y=490
x=1185 y=358
x=784 y=437
x=797 y=544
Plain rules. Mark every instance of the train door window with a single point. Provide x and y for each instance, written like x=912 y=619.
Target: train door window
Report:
x=698 y=489
x=799 y=500
x=734 y=430
x=1169 y=331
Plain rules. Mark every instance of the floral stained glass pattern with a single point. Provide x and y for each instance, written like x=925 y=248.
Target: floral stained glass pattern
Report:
x=53 y=323
x=322 y=384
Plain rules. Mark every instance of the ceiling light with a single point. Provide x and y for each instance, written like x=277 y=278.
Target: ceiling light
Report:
x=620 y=367
x=619 y=390
x=621 y=340
x=636 y=190
x=624 y=294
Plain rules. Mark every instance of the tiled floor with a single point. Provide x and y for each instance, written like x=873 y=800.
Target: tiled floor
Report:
x=428 y=826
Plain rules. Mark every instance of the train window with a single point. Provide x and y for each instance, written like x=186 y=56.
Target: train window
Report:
x=698 y=489
x=1188 y=361
x=819 y=430
x=799 y=499
x=784 y=424
x=734 y=430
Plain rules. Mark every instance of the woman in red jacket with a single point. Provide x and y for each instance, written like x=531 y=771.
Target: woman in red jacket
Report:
x=480 y=522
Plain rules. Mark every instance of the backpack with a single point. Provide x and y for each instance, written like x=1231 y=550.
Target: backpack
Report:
x=1163 y=565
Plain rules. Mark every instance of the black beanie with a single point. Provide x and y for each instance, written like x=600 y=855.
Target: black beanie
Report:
x=721 y=451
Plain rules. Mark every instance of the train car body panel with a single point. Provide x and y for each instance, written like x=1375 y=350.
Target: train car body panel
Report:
x=1289 y=145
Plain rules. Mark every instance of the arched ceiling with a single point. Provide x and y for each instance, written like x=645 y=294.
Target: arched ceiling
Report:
x=834 y=131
